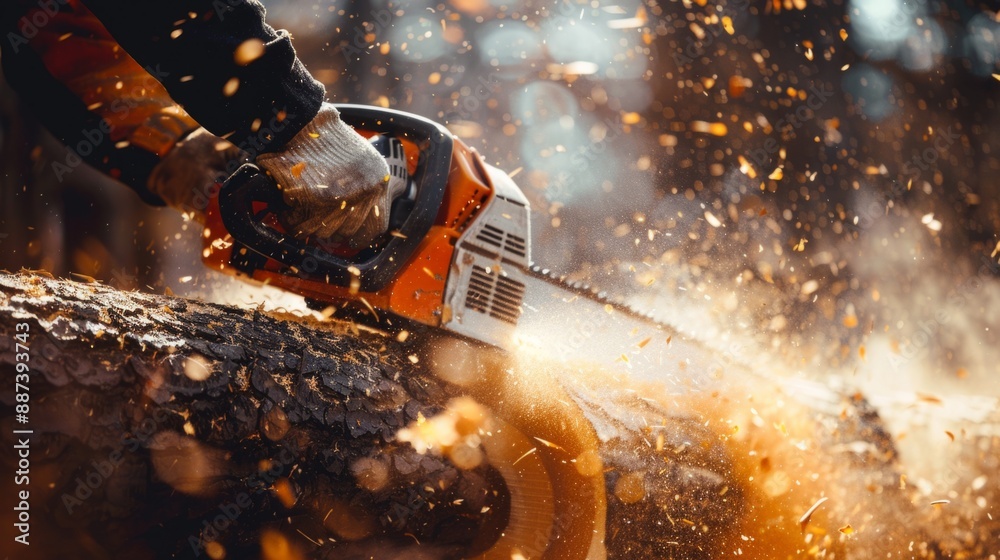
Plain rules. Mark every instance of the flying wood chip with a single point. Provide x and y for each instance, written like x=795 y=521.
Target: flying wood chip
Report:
x=804 y=520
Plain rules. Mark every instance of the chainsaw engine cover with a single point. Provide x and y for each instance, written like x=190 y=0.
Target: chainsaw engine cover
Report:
x=409 y=271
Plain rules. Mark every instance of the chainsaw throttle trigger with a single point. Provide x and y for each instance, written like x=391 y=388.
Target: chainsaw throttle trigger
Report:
x=402 y=191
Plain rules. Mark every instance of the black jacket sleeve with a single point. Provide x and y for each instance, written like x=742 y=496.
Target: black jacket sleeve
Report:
x=258 y=102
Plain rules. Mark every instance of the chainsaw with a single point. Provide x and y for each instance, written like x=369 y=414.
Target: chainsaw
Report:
x=457 y=259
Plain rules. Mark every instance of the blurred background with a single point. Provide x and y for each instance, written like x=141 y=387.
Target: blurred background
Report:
x=814 y=182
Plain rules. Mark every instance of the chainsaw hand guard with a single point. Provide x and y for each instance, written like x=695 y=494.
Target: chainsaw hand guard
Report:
x=249 y=196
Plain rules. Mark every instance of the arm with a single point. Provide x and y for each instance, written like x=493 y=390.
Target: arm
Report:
x=258 y=103
x=241 y=80
x=230 y=71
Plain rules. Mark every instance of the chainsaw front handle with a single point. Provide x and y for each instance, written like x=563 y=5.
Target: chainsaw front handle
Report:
x=375 y=267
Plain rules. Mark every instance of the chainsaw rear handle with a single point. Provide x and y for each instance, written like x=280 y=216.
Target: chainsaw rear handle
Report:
x=373 y=268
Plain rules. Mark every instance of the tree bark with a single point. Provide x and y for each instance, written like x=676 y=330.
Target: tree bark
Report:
x=162 y=424
x=165 y=427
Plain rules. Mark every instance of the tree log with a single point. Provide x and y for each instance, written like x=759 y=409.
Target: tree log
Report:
x=161 y=425
x=165 y=427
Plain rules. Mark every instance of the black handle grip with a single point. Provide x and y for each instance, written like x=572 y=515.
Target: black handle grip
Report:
x=374 y=268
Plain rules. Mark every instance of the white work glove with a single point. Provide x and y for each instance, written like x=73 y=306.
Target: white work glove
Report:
x=336 y=183
x=189 y=174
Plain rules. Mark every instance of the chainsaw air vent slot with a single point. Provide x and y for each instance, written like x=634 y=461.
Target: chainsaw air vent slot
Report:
x=494 y=295
x=502 y=241
x=491 y=235
x=516 y=245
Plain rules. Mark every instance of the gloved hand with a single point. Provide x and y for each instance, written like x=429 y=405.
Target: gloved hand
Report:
x=189 y=173
x=336 y=183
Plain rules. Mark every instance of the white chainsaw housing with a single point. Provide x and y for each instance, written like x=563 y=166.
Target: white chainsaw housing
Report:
x=486 y=286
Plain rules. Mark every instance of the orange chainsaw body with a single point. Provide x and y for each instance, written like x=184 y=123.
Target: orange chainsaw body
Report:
x=417 y=291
